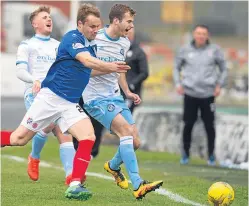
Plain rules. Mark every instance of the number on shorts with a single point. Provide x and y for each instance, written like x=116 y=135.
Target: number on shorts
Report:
x=79 y=108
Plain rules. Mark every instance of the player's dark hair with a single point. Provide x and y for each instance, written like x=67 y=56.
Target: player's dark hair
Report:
x=118 y=11
x=85 y=10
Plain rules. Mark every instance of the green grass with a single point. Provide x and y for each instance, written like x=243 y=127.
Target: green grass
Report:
x=191 y=182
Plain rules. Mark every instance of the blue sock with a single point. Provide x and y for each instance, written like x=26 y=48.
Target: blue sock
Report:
x=116 y=161
x=130 y=160
x=38 y=143
x=67 y=153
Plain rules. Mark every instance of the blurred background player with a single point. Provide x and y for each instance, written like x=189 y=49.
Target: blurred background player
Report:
x=104 y=102
x=34 y=58
x=61 y=90
x=200 y=84
x=137 y=60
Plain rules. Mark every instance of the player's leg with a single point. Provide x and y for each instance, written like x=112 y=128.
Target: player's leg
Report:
x=118 y=119
x=39 y=139
x=98 y=129
x=116 y=161
x=84 y=133
x=145 y=186
x=126 y=149
x=38 y=117
x=19 y=137
x=104 y=112
x=38 y=143
x=67 y=152
x=77 y=123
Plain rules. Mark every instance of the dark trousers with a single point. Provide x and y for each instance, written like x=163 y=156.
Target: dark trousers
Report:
x=98 y=128
x=207 y=108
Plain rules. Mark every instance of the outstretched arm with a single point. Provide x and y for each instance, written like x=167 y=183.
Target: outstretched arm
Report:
x=101 y=66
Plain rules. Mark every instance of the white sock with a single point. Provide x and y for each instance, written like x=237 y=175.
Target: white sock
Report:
x=74 y=183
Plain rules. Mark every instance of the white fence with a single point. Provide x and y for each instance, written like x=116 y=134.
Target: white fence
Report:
x=161 y=130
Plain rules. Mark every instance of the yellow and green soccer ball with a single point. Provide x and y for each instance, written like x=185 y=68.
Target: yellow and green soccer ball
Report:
x=220 y=194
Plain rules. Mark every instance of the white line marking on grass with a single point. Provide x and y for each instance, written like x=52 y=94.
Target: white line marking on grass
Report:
x=161 y=191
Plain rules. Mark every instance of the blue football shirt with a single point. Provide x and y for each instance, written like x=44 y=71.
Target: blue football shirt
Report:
x=68 y=77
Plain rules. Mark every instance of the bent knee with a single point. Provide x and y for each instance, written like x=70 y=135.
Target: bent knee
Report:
x=17 y=140
x=126 y=130
x=62 y=138
x=91 y=137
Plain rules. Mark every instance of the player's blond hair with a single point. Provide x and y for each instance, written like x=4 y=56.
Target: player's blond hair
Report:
x=118 y=11
x=85 y=10
x=37 y=11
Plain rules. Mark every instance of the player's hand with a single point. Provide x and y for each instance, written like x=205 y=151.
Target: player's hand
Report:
x=134 y=97
x=180 y=89
x=217 y=91
x=120 y=67
x=36 y=87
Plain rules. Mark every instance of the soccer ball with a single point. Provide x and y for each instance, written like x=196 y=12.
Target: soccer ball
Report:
x=220 y=194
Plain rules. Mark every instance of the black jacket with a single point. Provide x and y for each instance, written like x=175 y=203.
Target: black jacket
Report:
x=137 y=60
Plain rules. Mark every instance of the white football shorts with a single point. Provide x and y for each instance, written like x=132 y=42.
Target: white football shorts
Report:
x=48 y=108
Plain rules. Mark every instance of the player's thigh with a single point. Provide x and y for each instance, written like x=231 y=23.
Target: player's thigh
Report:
x=121 y=127
x=82 y=130
x=76 y=122
x=62 y=137
x=126 y=113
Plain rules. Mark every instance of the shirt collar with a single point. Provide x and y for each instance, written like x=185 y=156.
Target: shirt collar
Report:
x=42 y=37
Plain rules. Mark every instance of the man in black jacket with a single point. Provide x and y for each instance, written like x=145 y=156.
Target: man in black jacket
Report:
x=198 y=79
x=136 y=59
